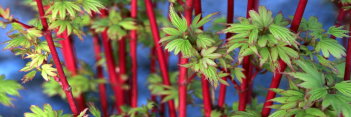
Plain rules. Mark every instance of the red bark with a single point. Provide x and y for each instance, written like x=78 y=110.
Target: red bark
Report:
x=62 y=78
x=243 y=94
x=277 y=74
x=111 y=68
x=100 y=75
x=207 y=96
x=133 y=54
x=183 y=71
x=71 y=64
x=348 y=59
x=230 y=18
x=159 y=51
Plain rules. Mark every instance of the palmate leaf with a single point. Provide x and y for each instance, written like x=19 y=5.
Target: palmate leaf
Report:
x=330 y=46
x=312 y=79
x=282 y=33
x=198 y=21
x=18 y=41
x=47 y=111
x=181 y=45
x=179 y=22
x=61 y=8
x=262 y=18
x=37 y=59
x=48 y=71
x=204 y=41
x=240 y=28
x=62 y=25
x=344 y=88
x=8 y=88
x=338 y=32
x=92 y=5
x=339 y=103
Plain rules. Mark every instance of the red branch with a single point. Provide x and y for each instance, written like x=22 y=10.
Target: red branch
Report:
x=348 y=59
x=277 y=74
x=244 y=95
x=71 y=63
x=204 y=82
x=133 y=54
x=230 y=18
x=183 y=71
x=122 y=66
x=159 y=51
x=207 y=96
x=100 y=75
x=47 y=33
x=111 y=68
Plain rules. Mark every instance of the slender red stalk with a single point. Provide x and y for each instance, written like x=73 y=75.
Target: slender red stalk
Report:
x=348 y=59
x=100 y=75
x=207 y=96
x=62 y=78
x=230 y=18
x=183 y=71
x=159 y=51
x=277 y=74
x=133 y=54
x=22 y=24
x=243 y=95
x=122 y=66
x=71 y=64
x=111 y=68
x=204 y=82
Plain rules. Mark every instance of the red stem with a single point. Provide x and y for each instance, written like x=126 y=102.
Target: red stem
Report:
x=348 y=59
x=230 y=18
x=207 y=96
x=122 y=65
x=100 y=75
x=204 y=82
x=133 y=54
x=183 y=71
x=244 y=95
x=47 y=33
x=277 y=74
x=160 y=54
x=71 y=64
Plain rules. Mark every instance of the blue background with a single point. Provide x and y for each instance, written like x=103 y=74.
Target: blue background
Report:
x=32 y=92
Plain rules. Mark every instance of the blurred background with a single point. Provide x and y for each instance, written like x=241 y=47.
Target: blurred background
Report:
x=32 y=94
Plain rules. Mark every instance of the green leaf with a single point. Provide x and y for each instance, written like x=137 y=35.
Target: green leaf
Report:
x=171 y=31
x=61 y=8
x=204 y=41
x=47 y=111
x=318 y=93
x=62 y=25
x=29 y=76
x=203 y=21
x=48 y=71
x=92 y=5
x=37 y=59
x=338 y=32
x=178 y=22
x=282 y=33
x=127 y=24
x=94 y=111
x=18 y=41
x=330 y=46
x=315 y=112
x=180 y=45
x=8 y=88
x=344 y=88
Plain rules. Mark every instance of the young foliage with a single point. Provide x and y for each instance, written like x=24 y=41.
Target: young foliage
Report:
x=47 y=111
x=8 y=88
x=263 y=36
